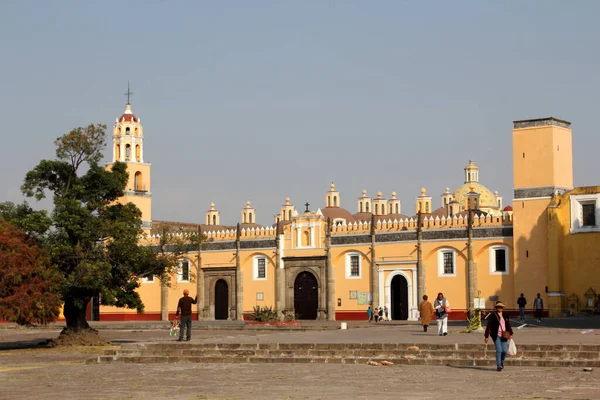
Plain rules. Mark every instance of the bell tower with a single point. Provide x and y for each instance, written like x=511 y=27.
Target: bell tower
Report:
x=128 y=147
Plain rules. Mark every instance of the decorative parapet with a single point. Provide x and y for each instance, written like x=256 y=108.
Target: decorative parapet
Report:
x=460 y=221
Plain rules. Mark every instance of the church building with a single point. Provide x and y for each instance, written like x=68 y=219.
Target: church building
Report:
x=350 y=253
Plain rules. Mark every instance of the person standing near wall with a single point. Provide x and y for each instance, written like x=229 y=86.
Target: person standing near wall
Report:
x=426 y=311
x=185 y=307
x=538 y=306
x=522 y=302
x=441 y=305
x=369 y=313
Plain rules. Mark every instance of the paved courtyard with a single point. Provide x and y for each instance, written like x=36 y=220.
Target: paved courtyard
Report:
x=41 y=373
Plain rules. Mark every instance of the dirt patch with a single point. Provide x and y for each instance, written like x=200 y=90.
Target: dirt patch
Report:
x=87 y=337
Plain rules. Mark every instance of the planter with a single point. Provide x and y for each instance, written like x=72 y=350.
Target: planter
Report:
x=273 y=323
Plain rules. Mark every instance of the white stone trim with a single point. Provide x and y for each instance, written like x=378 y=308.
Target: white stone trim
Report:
x=180 y=270
x=255 y=267
x=411 y=292
x=348 y=263
x=440 y=257
x=577 y=201
x=492 y=254
x=556 y=294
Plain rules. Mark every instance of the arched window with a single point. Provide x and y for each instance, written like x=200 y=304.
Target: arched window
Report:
x=183 y=273
x=360 y=207
x=290 y=214
x=366 y=207
x=138 y=183
x=127 y=151
x=137 y=153
x=376 y=209
x=328 y=201
x=250 y=218
x=420 y=209
x=117 y=152
x=335 y=201
x=426 y=208
x=397 y=209
x=390 y=209
x=127 y=131
x=214 y=219
x=208 y=220
x=135 y=132
x=244 y=218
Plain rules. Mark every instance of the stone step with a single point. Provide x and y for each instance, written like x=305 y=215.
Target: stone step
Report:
x=509 y=362
x=453 y=354
x=351 y=346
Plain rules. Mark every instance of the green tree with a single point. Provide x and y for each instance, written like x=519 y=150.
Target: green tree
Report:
x=92 y=239
x=29 y=284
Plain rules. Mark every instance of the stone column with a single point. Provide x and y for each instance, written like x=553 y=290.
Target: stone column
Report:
x=374 y=272
x=164 y=301
x=200 y=278
x=279 y=274
x=141 y=150
x=122 y=146
x=421 y=277
x=239 y=282
x=471 y=267
x=330 y=275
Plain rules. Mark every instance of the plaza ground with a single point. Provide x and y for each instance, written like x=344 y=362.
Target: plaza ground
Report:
x=28 y=371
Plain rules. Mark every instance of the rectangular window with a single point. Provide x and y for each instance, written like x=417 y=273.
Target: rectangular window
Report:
x=148 y=278
x=448 y=263
x=262 y=268
x=354 y=266
x=588 y=214
x=184 y=274
x=500 y=260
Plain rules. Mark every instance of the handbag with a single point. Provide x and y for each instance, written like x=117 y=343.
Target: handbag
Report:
x=512 y=348
x=447 y=310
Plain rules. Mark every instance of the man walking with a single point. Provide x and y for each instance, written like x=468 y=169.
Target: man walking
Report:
x=185 y=307
x=522 y=301
x=538 y=306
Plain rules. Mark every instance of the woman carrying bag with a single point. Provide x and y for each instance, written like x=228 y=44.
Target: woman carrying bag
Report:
x=442 y=308
x=498 y=327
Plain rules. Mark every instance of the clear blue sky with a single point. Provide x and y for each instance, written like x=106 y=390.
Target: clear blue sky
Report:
x=259 y=100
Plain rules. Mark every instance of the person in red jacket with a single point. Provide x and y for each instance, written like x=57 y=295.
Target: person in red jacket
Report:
x=498 y=327
x=185 y=307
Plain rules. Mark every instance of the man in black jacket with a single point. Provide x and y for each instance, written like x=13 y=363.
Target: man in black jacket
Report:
x=185 y=307
x=522 y=302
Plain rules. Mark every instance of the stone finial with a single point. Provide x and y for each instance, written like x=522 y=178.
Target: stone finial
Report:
x=248 y=204
x=287 y=201
x=379 y=194
x=423 y=192
x=496 y=193
x=212 y=206
x=472 y=188
x=394 y=195
x=332 y=186
x=364 y=193
x=447 y=190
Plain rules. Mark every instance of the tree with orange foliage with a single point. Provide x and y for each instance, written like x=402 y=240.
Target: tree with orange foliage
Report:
x=29 y=284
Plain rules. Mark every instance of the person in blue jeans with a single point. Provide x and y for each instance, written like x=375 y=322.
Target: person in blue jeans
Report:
x=498 y=327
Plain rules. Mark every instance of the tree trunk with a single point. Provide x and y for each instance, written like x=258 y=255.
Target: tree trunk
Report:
x=74 y=311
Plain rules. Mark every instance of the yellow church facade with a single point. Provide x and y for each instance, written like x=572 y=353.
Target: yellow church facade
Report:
x=327 y=262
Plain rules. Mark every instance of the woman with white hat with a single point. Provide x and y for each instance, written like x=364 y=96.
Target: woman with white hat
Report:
x=498 y=327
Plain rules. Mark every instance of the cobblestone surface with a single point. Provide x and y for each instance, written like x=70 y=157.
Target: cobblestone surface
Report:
x=35 y=373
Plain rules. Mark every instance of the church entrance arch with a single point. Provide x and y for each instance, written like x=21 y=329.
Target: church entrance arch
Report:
x=399 y=298
x=306 y=296
x=221 y=299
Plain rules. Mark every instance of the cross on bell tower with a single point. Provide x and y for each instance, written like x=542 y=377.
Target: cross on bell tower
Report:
x=129 y=93
x=306 y=205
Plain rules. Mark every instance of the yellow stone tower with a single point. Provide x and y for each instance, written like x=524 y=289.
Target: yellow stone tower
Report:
x=542 y=167
x=128 y=147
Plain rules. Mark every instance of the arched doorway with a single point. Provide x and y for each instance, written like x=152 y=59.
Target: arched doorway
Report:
x=399 y=297
x=221 y=300
x=306 y=296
